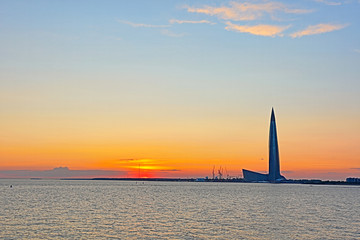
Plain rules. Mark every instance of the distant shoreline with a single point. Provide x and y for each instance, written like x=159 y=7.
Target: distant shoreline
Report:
x=235 y=180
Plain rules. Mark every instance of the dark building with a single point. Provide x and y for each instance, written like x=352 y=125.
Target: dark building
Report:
x=353 y=180
x=274 y=159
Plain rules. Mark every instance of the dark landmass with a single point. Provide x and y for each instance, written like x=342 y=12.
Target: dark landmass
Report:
x=321 y=182
x=241 y=180
x=58 y=172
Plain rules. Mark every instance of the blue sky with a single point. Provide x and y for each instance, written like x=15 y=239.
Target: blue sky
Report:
x=190 y=64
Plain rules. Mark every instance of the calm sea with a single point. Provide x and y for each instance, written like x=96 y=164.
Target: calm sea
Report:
x=58 y=209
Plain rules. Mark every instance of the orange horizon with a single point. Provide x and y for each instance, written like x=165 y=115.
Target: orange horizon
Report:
x=186 y=149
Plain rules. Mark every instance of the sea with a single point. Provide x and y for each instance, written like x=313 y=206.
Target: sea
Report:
x=102 y=209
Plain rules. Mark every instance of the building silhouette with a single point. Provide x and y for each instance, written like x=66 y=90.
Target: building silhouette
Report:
x=274 y=159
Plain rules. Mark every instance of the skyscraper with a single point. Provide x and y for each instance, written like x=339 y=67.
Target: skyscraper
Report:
x=274 y=160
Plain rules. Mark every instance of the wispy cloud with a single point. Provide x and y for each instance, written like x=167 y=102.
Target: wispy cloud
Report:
x=164 y=30
x=169 y=33
x=318 y=29
x=261 y=30
x=170 y=170
x=263 y=10
x=133 y=160
x=144 y=25
x=126 y=160
x=172 y=21
x=357 y=51
x=331 y=3
x=246 y=11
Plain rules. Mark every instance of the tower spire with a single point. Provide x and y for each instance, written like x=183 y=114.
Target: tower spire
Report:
x=274 y=162
x=272 y=115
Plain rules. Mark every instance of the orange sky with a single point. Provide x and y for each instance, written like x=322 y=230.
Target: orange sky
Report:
x=180 y=89
x=181 y=149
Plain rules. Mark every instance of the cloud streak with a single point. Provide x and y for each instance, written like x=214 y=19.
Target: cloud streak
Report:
x=142 y=25
x=246 y=11
x=260 y=30
x=318 y=29
x=172 y=21
x=170 y=170
x=165 y=31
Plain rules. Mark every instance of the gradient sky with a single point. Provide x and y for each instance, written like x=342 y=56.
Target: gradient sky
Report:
x=177 y=87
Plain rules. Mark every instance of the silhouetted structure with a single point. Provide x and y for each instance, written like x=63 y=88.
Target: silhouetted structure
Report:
x=274 y=160
x=353 y=180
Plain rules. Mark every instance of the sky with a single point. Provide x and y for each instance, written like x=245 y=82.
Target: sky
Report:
x=169 y=88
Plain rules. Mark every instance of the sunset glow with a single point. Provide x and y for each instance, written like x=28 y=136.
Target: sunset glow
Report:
x=177 y=90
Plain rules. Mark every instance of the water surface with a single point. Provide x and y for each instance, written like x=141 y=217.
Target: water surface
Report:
x=58 y=209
